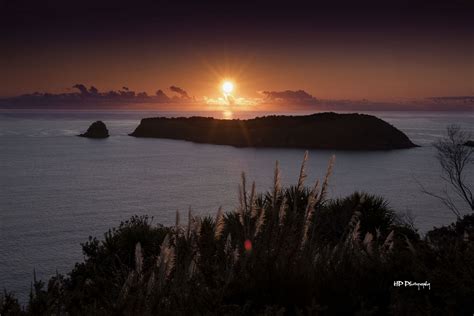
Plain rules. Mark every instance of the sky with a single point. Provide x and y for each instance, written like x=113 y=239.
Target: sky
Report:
x=383 y=51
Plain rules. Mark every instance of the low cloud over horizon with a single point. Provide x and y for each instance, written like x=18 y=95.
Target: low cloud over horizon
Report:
x=92 y=96
x=284 y=100
x=302 y=100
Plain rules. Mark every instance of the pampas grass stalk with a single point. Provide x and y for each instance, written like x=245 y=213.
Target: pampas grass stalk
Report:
x=388 y=243
x=170 y=262
x=282 y=211
x=151 y=283
x=309 y=212
x=196 y=227
x=244 y=192
x=235 y=255
x=190 y=223
x=353 y=221
x=260 y=222
x=165 y=261
x=302 y=175
x=356 y=233
x=219 y=224
x=368 y=239
x=324 y=187
x=253 y=211
x=191 y=268
x=164 y=246
x=176 y=225
x=276 y=184
x=242 y=198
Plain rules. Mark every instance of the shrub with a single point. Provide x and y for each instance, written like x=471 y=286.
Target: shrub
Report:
x=290 y=250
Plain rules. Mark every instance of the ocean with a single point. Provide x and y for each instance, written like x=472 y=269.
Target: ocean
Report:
x=57 y=189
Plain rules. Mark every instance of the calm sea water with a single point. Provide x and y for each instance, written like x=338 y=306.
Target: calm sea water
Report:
x=57 y=189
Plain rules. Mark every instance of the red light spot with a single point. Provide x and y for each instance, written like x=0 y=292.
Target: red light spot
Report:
x=248 y=245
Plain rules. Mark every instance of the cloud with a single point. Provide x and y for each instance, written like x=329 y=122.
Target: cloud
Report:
x=287 y=100
x=93 y=90
x=93 y=97
x=82 y=88
x=160 y=95
x=182 y=93
x=457 y=99
x=302 y=100
x=290 y=96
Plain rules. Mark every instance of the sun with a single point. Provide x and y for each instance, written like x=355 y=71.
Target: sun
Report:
x=227 y=87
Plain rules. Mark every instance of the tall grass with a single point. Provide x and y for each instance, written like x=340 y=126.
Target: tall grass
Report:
x=289 y=250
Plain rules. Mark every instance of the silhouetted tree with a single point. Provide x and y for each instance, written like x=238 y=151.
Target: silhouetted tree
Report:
x=454 y=157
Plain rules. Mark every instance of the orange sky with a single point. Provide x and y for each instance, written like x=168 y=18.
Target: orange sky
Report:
x=346 y=71
x=353 y=52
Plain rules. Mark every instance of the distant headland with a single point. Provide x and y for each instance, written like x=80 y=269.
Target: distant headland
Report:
x=317 y=131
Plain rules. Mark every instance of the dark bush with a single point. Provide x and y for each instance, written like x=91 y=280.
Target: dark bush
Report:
x=287 y=251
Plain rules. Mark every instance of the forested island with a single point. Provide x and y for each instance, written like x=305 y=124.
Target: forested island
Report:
x=318 y=131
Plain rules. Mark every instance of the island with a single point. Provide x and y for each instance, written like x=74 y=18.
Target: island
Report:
x=96 y=130
x=317 y=131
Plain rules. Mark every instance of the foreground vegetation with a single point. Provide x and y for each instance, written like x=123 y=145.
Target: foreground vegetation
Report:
x=288 y=251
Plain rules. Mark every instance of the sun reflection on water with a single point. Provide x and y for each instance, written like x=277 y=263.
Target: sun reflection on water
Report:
x=227 y=115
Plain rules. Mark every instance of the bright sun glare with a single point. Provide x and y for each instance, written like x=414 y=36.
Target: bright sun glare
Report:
x=227 y=87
